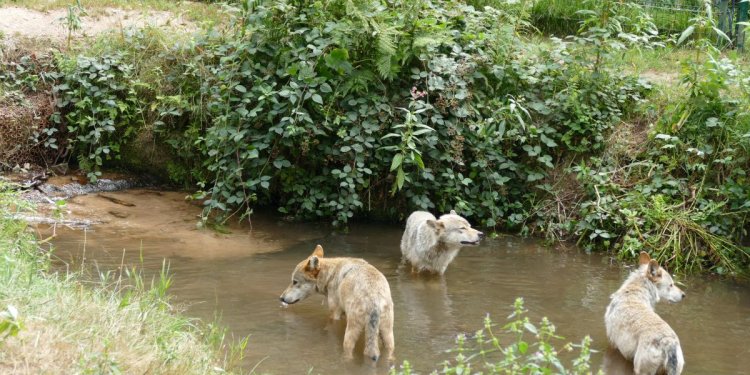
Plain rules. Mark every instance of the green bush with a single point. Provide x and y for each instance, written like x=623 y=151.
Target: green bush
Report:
x=347 y=109
x=685 y=197
x=344 y=109
x=101 y=107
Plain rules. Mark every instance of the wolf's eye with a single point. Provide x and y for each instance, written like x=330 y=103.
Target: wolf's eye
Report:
x=294 y=282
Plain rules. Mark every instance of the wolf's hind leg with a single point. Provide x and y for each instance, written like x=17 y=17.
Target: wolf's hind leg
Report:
x=353 y=330
x=388 y=342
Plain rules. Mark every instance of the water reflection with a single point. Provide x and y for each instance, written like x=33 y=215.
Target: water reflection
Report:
x=615 y=364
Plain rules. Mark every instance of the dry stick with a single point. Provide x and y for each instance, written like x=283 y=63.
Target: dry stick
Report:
x=116 y=200
x=598 y=198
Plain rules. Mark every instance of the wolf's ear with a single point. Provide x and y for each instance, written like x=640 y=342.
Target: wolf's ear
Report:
x=318 y=252
x=435 y=224
x=653 y=272
x=313 y=266
x=643 y=258
x=453 y=212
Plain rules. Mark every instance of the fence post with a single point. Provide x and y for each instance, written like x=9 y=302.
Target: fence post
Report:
x=742 y=16
x=725 y=19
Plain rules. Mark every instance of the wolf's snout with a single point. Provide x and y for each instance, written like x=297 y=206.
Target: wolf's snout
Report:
x=481 y=235
x=283 y=300
x=683 y=295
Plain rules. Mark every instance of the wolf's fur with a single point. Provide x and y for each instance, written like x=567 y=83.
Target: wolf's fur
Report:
x=431 y=244
x=636 y=330
x=353 y=287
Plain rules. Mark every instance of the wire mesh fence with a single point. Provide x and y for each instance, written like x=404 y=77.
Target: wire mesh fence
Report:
x=671 y=16
x=560 y=17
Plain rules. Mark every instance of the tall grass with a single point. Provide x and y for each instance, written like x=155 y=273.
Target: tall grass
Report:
x=55 y=322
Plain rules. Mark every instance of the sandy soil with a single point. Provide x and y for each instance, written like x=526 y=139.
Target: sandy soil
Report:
x=18 y=22
x=164 y=223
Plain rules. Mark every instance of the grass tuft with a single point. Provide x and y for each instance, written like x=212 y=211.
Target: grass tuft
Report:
x=59 y=323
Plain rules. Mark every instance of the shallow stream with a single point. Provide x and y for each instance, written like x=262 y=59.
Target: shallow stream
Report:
x=240 y=276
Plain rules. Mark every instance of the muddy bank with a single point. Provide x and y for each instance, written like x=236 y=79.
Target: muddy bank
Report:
x=166 y=224
x=132 y=211
x=66 y=187
x=50 y=195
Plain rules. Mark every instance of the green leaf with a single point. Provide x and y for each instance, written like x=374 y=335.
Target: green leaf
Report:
x=317 y=99
x=383 y=64
x=400 y=177
x=418 y=159
x=685 y=34
x=240 y=88
x=338 y=60
x=523 y=346
x=396 y=162
x=722 y=35
x=547 y=141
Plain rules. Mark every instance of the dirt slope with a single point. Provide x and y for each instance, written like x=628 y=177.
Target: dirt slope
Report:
x=18 y=22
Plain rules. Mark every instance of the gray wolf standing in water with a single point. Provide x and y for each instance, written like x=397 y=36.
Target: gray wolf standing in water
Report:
x=354 y=288
x=634 y=328
x=431 y=244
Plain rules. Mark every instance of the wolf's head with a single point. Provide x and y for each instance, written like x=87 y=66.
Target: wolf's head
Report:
x=660 y=278
x=453 y=229
x=304 y=278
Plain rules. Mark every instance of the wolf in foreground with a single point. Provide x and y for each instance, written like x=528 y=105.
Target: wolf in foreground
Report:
x=634 y=328
x=353 y=287
x=431 y=244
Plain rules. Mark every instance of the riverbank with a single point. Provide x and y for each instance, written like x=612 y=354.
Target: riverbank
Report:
x=62 y=322
x=584 y=138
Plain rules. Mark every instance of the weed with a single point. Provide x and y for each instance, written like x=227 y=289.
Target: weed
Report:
x=485 y=353
x=72 y=19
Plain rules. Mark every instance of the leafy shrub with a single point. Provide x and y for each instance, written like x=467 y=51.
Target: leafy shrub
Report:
x=344 y=109
x=685 y=196
x=101 y=108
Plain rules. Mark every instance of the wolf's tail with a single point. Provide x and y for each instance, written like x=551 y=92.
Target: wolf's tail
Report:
x=371 y=335
x=675 y=361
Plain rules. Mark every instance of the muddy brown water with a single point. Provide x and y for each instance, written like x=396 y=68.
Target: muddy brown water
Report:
x=240 y=276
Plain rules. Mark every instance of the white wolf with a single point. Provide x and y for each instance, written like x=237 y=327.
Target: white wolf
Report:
x=431 y=244
x=636 y=330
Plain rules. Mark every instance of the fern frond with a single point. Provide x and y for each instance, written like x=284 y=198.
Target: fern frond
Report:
x=383 y=64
